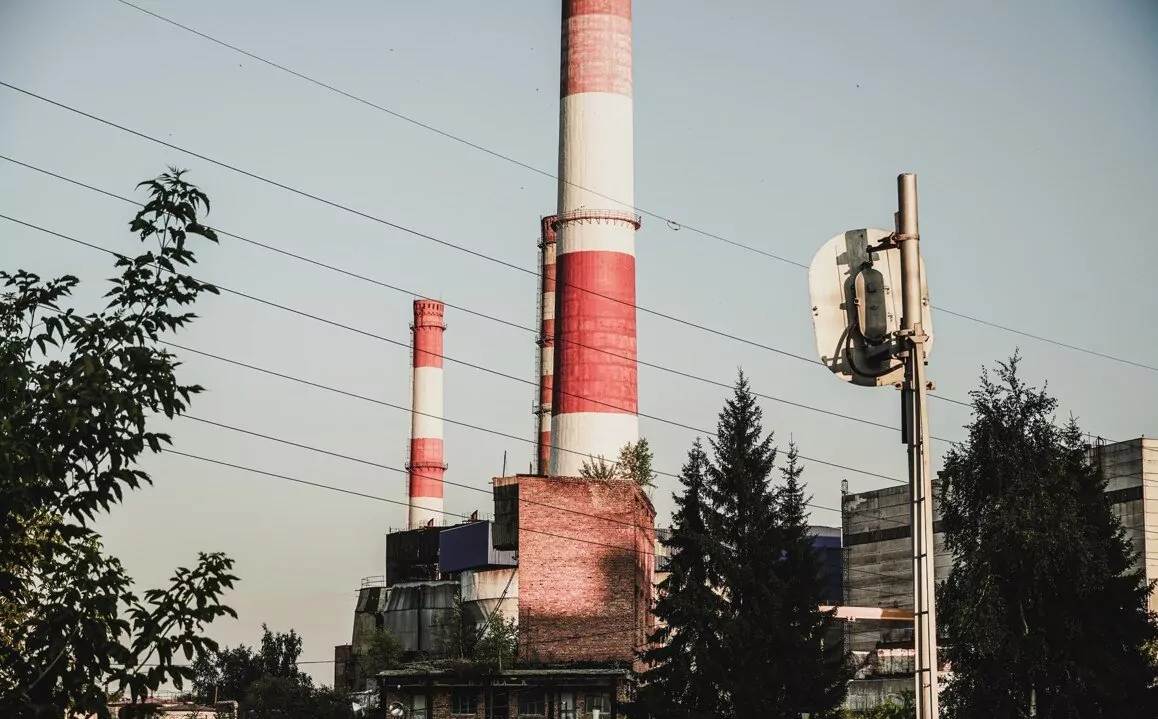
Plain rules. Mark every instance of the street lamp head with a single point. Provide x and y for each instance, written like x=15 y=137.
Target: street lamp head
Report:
x=397 y=709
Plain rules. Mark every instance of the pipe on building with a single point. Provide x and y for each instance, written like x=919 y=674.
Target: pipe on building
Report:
x=546 y=344
x=426 y=464
x=595 y=403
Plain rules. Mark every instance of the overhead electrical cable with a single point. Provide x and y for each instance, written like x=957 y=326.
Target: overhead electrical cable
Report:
x=467 y=310
x=445 y=243
x=550 y=175
x=447 y=358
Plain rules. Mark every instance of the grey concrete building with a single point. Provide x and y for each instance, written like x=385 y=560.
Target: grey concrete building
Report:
x=878 y=566
x=1131 y=471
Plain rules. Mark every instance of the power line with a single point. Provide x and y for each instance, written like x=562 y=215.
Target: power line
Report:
x=447 y=358
x=467 y=310
x=422 y=235
x=670 y=222
x=363 y=495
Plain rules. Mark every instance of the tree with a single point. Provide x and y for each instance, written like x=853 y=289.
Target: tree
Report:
x=598 y=468
x=383 y=651
x=498 y=646
x=681 y=681
x=79 y=398
x=634 y=463
x=818 y=675
x=274 y=697
x=635 y=460
x=228 y=674
x=770 y=658
x=1045 y=606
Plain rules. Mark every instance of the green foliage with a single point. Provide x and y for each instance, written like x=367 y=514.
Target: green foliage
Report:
x=229 y=673
x=634 y=463
x=635 y=460
x=755 y=645
x=499 y=644
x=266 y=681
x=78 y=395
x=383 y=651
x=682 y=682
x=598 y=468
x=1044 y=605
x=276 y=697
x=493 y=647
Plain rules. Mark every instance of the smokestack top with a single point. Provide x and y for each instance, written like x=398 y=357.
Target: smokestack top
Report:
x=596 y=47
x=550 y=231
x=618 y=8
x=429 y=313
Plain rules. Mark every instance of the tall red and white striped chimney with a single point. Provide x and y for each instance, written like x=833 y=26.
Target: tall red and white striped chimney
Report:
x=426 y=465
x=596 y=391
x=546 y=344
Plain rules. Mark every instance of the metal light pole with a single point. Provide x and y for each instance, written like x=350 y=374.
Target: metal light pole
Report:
x=915 y=420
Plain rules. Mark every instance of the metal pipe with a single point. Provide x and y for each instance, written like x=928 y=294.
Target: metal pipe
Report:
x=915 y=413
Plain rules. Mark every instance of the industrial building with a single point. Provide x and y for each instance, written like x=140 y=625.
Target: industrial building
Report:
x=879 y=572
x=573 y=561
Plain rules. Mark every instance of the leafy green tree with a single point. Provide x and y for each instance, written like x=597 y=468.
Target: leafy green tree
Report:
x=275 y=697
x=1045 y=606
x=681 y=681
x=499 y=644
x=79 y=400
x=383 y=651
x=228 y=674
x=634 y=463
x=598 y=468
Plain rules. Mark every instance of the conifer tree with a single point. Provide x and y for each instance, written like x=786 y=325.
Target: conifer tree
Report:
x=680 y=682
x=1045 y=607
x=821 y=672
x=772 y=662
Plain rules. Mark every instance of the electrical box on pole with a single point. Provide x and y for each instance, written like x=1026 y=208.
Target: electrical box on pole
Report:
x=855 y=285
x=874 y=328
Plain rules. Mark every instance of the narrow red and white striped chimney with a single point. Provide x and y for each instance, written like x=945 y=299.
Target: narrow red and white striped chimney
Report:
x=426 y=466
x=546 y=343
x=596 y=395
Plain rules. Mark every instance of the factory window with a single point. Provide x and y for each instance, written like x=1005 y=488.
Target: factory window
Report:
x=599 y=706
x=532 y=704
x=567 y=706
x=464 y=703
x=418 y=707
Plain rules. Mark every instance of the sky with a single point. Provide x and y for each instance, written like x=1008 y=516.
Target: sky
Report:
x=775 y=125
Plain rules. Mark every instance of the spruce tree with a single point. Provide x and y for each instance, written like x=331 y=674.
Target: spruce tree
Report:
x=681 y=681
x=772 y=660
x=817 y=681
x=1045 y=607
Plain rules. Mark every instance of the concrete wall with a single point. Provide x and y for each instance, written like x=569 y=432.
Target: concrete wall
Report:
x=586 y=555
x=484 y=591
x=1131 y=471
x=879 y=566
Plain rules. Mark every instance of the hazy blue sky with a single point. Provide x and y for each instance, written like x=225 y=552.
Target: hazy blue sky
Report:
x=1031 y=126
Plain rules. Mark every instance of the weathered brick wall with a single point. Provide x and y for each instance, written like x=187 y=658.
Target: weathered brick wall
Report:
x=586 y=552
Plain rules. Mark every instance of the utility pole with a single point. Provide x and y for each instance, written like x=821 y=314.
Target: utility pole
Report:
x=914 y=414
x=874 y=328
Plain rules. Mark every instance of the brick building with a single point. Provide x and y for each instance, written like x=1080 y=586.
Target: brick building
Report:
x=586 y=551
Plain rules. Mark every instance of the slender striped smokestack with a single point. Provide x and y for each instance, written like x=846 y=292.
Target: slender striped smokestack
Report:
x=426 y=466
x=596 y=393
x=546 y=344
